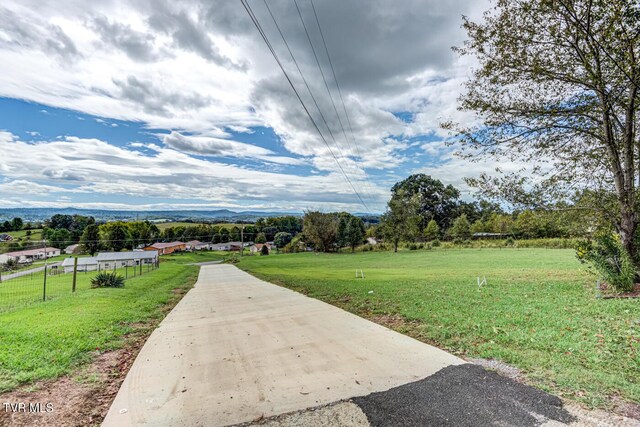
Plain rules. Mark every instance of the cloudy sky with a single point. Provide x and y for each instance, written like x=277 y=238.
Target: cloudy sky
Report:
x=175 y=105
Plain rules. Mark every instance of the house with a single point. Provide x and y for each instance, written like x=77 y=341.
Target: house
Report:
x=6 y=237
x=196 y=245
x=72 y=249
x=115 y=260
x=84 y=264
x=372 y=240
x=167 y=248
x=235 y=246
x=220 y=247
x=30 y=255
x=257 y=248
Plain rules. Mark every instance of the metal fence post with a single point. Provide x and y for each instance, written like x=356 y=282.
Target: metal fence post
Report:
x=44 y=284
x=75 y=274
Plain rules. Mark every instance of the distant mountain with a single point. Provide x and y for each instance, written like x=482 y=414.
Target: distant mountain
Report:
x=40 y=214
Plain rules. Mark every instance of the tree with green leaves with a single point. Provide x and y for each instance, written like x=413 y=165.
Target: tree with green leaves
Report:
x=321 y=229
x=90 y=238
x=432 y=230
x=264 y=250
x=17 y=224
x=435 y=200
x=354 y=232
x=261 y=238
x=401 y=221
x=282 y=239
x=116 y=236
x=461 y=228
x=557 y=88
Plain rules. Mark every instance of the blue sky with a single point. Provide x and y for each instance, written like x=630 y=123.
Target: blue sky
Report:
x=128 y=106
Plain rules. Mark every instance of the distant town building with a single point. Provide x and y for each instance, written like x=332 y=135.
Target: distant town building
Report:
x=72 y=249
x=116 y=260
x=84 y=264
x=167 y=248
x=29 y=255
x=258 y=247
x=196 y=245
x=6 y=237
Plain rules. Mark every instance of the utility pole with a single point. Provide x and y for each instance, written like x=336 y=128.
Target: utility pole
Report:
x=242 y=240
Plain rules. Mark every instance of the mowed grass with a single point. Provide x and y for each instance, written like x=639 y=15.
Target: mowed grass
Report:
x=53 y=338
x=538 y=310
x=36 y=234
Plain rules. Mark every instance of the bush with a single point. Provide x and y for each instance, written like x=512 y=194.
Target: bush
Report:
x=458 y=241
x=107 y=280
x=413 y=247
x=435 y=243
x=233 y=258
x=610 y=260
x=509 y=241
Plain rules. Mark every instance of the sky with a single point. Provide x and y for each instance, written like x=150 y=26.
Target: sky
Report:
x=157 y=104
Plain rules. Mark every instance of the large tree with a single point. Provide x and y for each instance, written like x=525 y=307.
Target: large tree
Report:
x=401 y=221
x=435 y=200
x=91 y=238
x=557 y=88
x=321 y=229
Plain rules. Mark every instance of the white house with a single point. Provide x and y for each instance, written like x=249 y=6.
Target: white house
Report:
x=257 y=248
x=115 y=260
x=196 y=245
x=84 y=264
x=30 y=255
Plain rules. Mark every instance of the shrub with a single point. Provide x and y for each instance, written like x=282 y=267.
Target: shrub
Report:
x=233 y=258
x=107 y=280
x=611 y=261
x=435 y=243
x=458 y=241
x=509 y=241
x=264 y=250
x=413 y=247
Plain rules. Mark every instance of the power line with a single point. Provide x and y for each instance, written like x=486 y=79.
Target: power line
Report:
x=335 y=79
x=324 y=79
x=255 y=21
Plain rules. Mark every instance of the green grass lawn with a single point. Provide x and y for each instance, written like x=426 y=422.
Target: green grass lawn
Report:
x=53 y=338
x=36 y=234
x=537 y=312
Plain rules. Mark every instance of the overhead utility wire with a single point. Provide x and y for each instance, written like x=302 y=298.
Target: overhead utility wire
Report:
x=255 y=21
x=324 y=79
x=335 y=79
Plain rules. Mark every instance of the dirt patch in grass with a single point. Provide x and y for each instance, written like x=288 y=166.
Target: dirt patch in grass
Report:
x=80 y=400
x=84 y=398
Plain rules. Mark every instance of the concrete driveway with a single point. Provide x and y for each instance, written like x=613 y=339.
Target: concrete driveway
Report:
x=237 y=349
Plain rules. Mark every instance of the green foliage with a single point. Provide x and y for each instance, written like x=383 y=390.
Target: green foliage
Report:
x=433 y=199
x=261 y=238
x=401 y=221
x=282 y=239
x=321 y=230
x=232 y=258
x=91 y=238
x=610 y=260
x=107 y=280
x=461 y=229
x=509 y=241
x=432 y=230
x=264 y=250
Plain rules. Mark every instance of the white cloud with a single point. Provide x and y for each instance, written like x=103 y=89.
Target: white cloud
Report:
x=200 y=70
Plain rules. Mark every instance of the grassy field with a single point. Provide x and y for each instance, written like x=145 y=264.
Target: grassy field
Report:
x=538 y=310
x=53 y=338
x=35 y=234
